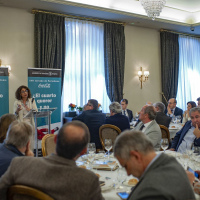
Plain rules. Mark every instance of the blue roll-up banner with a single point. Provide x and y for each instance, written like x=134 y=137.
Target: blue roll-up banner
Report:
x=45 y=86
x=4 y=91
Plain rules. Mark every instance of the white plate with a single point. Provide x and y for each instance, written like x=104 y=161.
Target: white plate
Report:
x=79 y=163
x=106 y=187
x=126 y=184
x=173 y=128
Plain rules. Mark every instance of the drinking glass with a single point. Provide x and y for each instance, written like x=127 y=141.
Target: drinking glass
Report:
x=111 y=165
x=174 y=119
x=121 y=177
x=108 y=145
x=178 y=119
x=189 y=148
x=91 y=153
x=164 y=143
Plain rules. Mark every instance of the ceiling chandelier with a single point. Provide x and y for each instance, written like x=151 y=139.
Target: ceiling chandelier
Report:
x=153 y=8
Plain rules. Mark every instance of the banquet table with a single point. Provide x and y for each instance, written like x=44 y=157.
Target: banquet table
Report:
x=174 y=128
x=109 y=192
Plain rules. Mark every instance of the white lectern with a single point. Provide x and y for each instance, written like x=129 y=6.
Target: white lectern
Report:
x=44 y=112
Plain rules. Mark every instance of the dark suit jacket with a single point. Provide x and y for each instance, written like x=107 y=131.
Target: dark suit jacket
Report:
x=163 y=119
x=118 y=120
x=162 y=180
x=7 y=153
x=177 y=111
x=181 y=134
x=93 y=120
x=56 y=176
x=130 y=115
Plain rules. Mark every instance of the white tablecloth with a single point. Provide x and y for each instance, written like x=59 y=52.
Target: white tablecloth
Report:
x=174 y=128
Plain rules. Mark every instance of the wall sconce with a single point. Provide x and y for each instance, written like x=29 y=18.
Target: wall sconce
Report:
x=143 y=77
x=9 y=67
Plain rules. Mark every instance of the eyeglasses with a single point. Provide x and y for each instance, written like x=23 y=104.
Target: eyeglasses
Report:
x=89 y=104
x=24 y=91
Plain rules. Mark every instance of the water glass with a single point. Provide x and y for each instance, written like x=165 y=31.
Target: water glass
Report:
x=164 y=143
x=91 y=153
x=108 y=145
x=121 y=177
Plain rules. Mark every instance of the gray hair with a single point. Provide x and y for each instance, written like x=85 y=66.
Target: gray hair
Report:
x=132 y=141
x=160 y=106
x=115 y=107
x=150 y=110
x=194 y=110
x=19 y=134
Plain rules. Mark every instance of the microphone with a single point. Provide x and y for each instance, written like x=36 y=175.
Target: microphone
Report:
x=32 y=100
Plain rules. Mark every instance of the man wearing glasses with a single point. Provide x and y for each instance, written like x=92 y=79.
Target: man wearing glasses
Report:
x=93 y=120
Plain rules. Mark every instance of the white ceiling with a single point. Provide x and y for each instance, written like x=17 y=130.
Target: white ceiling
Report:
x=177 y=15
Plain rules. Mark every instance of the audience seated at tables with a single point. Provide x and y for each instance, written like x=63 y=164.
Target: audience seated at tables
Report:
x=189 y=133
x=198 y=104
x=186 y=116
x=161 y=118
x=173 y=110
x=5 y=122
x=125 y=111
x=57 y=174
x=116 y=118
x=17 y=143
x=160 y=176
x=149 y=126
x=93 y=119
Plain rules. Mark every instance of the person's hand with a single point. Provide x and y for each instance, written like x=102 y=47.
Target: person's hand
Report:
x=184 y=114
x=172 y=149
x=169 y=110
x=197 y=132
x=27 y=108
x=190 y=177
x=18 y=108
x=28 y=151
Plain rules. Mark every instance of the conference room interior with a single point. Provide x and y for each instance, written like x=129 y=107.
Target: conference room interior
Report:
x=148 y=47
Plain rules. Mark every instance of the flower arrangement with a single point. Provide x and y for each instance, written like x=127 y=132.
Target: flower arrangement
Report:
x=79 y=108
x=71 y=106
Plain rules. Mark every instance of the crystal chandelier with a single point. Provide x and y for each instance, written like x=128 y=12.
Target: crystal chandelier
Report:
x=153 y=8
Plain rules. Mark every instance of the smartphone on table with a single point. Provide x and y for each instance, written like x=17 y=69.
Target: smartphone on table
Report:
x=123 y=195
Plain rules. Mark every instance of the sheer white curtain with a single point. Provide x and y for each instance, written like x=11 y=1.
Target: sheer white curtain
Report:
x=189 y=71
x=84 y=64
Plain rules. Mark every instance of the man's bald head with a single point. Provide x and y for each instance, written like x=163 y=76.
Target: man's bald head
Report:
x=72 y=138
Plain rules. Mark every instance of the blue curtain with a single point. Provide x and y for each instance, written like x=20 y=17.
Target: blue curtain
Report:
x=189 y=71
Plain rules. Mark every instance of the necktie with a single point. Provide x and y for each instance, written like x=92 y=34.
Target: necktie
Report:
x=141 y=127
x=124 y=113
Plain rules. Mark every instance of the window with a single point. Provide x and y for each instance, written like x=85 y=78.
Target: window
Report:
x=189 y=71
x=84 y=64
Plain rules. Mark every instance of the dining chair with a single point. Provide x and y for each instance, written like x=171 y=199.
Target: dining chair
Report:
x=25 y=192
x=48 y=144
x=108 y=131
x=165 y=132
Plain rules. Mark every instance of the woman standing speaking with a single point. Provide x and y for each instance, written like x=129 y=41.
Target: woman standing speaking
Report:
x=23 y=105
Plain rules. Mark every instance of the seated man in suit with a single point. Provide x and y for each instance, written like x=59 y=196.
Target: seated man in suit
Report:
x=93 y=119
x=17 y=143
x=189 y=133
x=159 y=175
x=116 y=118
x=149 y=126
x=173 y=110
x=125 y=111
x=161 y=118
x=57 y=174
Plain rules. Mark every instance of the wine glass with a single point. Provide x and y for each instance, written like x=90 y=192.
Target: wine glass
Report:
x=91 y=153
x=164 y=143
x=108 y=145
x=121 y=177
x=174 y=119
x=178 y=119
